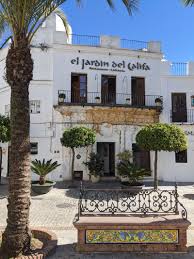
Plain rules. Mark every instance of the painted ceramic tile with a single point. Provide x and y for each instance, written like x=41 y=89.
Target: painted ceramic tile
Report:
x=131 y=236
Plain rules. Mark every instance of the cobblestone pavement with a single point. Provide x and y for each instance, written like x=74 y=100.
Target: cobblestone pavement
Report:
x=56 y=210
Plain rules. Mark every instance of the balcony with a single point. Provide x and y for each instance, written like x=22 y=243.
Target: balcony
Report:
x=119 y=99
x=179 y=68
x=182 y=116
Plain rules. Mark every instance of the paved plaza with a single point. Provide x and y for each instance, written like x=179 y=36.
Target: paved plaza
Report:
x=56 y=210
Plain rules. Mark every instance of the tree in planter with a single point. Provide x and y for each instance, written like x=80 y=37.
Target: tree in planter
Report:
x=5 y=133
x=161 y=137
x=77 y=137
x=43 y=168
x=128 y=170
x=23 y=18
x=95 y=165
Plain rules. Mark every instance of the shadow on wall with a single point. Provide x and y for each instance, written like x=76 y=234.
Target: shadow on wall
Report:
x=189 y=196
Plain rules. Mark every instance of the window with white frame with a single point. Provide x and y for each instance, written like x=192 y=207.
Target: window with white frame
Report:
x=7 y=110
x=34 y=106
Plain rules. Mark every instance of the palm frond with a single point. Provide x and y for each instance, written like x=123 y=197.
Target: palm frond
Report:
x=188 y=2
x=42 y=168
x=131 y=5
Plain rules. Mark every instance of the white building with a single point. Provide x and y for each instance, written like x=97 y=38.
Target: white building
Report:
x=107 y=84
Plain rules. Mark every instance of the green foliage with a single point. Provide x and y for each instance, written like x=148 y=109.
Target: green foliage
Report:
x=43 y=168
x=5 y=134
x=78 y=137
x=158 y=137
x=188 y=2
x=127 y=169
x=95 y=164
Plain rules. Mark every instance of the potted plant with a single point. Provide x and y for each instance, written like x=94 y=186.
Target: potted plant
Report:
x=43 y=168
x=62 y=97
x=131 y=175
x=97 y=99
x=158 y=102
x=95 y=166
x=128 y=101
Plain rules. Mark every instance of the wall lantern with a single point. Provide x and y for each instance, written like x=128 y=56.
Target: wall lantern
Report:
x=62 y=97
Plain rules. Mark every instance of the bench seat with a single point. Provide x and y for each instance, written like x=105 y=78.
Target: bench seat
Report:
x=165 y=233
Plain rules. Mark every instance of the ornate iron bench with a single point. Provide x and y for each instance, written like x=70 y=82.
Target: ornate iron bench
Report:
x=118 y=220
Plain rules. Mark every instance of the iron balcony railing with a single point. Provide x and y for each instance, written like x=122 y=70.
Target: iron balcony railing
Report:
x=179 y=69
x=182 y=116
x=93 y=40
x=87 y=40
x=134 y=44
x=118 y=99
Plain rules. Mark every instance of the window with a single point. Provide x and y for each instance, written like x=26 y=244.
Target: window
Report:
x=181 y=157
x=7 y=110
x=34 y=148
x=34 y=107
x=192 y=101
x=78 y=88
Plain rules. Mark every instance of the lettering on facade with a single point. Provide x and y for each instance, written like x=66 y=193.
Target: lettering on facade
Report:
x=109 y=66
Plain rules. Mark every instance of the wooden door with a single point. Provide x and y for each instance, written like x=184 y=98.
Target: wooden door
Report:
x=138 y=91
x=112 y=159
x=0 y=163
x=107 y=154
x=112 y=89
x=179 y=107
x=108 y=89
x=78 y=88
x=141 y=157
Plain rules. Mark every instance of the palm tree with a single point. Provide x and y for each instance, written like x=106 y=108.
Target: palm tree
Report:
x=23 y=18
x=43 y=168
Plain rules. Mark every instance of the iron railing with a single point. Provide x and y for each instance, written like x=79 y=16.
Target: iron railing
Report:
x=134 y=44
x=182 y=116
x=114 y=99
x=94 y=40
x=87 y=40
x=94 y=202
x=179 y=69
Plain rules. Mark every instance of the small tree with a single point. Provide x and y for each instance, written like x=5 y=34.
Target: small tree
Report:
x=77 y=137
x=5 y=134
x=4 y=129
x=161 y=137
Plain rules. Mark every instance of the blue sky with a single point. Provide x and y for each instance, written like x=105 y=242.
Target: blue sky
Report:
x=165 y=20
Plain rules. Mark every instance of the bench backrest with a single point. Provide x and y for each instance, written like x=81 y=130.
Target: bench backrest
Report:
x=116 y=202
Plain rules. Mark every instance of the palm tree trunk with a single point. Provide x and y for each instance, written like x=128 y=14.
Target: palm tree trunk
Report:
x=156 y=170
x=73 y=161
x=19 y=68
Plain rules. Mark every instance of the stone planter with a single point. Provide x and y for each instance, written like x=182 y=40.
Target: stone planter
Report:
x=95 y=179
x=132 y=188
x=42 y=189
